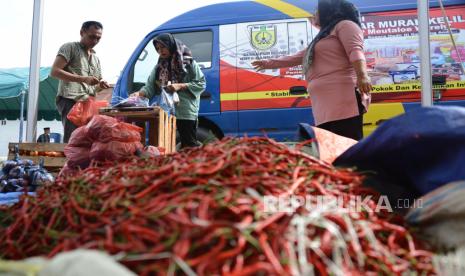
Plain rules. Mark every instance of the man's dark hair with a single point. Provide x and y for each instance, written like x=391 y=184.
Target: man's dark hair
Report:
x=86 y=25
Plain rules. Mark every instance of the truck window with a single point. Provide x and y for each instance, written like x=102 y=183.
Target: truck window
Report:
x=298 y=36
x=200 y=43
x=144 y=65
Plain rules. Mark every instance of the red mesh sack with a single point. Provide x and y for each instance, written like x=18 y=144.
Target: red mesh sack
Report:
x=331 y=145
x=80 y=138
x=122 y=132
x=77 y=156
x=66 y=171
x=113 y=150
x=100 y=124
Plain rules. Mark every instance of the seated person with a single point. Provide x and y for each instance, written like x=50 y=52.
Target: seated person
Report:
x=44 y=138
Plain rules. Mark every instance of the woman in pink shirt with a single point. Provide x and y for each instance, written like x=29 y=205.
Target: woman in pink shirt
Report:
x=335 y=68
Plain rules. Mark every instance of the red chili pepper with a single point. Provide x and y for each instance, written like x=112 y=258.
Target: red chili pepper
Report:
x=212 y=169
x=321 y=268
x=254 y=269
x=270 y=254
x=208 y=256
x=141 y=206
x=181 y=248
x=326 y=244
x=339 y=221
x=233 y=252
x=268 y=221
x=152 y=187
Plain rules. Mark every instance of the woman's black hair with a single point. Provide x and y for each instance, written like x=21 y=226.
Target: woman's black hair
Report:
x=333 y=11
x=330 y=12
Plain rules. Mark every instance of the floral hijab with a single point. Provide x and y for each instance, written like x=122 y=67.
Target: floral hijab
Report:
x=172 y=69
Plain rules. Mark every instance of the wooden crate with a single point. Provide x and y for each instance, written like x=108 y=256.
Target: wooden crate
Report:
x=35 y=151
x=157 y=124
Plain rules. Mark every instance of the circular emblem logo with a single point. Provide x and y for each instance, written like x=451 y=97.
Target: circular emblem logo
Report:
x=263 y=37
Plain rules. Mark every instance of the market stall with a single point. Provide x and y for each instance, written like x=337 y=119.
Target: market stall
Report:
x=158 y=127
x=233 y=207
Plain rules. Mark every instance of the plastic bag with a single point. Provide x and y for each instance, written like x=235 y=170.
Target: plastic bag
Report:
x=149 y=152
x=167 y=102
x=82 y=111
x=84 y=262
x=176 y=98
x=439 y=216
x=133 y=101
x=365 y=100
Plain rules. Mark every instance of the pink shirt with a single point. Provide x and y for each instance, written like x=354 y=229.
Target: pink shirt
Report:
x=332 y=79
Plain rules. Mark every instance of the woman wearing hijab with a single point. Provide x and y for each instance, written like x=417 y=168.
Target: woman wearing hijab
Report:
x=176 y=71
x=335 y=68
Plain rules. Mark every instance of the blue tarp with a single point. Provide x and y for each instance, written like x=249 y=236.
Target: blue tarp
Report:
x=12 y=198
x=15 y=80
x=417 y=152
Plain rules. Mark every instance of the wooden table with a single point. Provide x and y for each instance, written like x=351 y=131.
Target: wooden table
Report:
x=157 y=124
x=36 y=151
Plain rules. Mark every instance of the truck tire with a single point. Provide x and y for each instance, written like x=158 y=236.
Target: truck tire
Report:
x=204 y=136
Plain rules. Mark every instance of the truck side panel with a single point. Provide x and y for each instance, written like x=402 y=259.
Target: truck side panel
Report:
x=392 y=52
x=262 y=99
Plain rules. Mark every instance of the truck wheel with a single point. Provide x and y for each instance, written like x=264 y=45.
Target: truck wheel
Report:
x=205 y=135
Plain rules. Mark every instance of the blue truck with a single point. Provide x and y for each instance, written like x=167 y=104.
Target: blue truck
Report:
x=225 y=38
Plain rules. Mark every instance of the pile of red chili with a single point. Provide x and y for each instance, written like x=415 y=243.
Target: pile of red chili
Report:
x=201 y=211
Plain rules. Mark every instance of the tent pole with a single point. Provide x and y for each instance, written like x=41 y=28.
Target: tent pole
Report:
x=425 y=53
x=21 y=116
x=34 y=72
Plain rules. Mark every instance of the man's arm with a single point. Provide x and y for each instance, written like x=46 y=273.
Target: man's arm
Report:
x=58 y=72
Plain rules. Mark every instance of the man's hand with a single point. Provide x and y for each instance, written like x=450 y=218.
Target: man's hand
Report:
x=174 y=87
x=90 y=80
x=103 y=84
x=138 y=94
